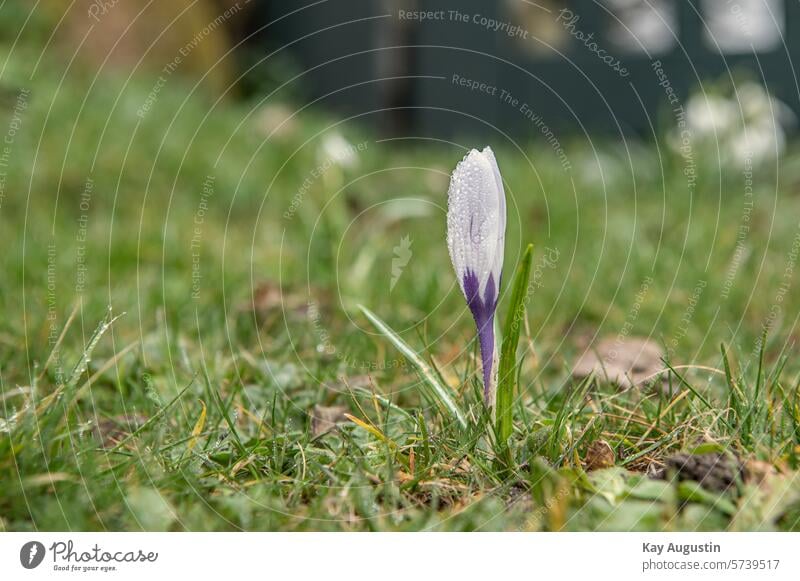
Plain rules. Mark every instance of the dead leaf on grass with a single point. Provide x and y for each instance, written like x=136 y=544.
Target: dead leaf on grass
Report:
x=632 y=362
x=599 y=455
x=325 y=418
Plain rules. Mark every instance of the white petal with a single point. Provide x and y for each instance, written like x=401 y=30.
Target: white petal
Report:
x=497 y=266
x=476 y=218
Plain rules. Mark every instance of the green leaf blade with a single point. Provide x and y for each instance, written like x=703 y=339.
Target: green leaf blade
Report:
x=507 y=376
x=438 y=391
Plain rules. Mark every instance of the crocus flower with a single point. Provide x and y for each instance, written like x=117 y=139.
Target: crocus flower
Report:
x=476 y=230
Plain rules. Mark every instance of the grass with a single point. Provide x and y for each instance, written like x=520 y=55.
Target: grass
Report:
x=234 y=267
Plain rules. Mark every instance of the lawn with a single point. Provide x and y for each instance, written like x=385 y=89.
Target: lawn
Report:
x=181 y=344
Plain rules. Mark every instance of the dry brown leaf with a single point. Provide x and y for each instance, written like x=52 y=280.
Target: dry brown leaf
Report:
x=599 y=455
x=628 y=362
x=325 y=418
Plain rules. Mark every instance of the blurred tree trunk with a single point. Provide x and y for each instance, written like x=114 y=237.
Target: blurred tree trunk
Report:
x=191 y=36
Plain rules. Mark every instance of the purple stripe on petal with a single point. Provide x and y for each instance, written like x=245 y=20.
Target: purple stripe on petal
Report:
x=483 y=312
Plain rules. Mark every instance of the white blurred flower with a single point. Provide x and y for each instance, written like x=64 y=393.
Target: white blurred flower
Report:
x=756 y=103
x=710 y=114
x=750 y=125
x=338 y=149
x=757 y=143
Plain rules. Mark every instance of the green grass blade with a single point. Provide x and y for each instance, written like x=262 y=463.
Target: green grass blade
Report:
x=438 y=391
x=154 y=418
x=696 y=393
x=507 y=376
x=86 y=357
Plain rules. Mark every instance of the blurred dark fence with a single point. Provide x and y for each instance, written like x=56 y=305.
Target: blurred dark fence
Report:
x=446 y=67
